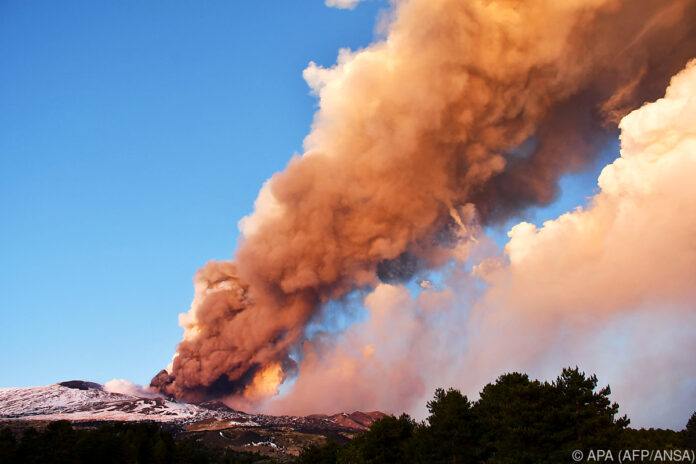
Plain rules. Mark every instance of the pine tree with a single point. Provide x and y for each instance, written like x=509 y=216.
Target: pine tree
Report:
x=453 y=435
x=690 y=433
x=587 y=414
x=514 y=415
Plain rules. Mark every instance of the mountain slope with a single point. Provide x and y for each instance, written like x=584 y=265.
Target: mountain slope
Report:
x=86 y=401
x=212 y=423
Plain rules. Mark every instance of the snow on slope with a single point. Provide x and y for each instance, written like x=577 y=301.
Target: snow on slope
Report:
x=77 y=400
x=55 y=402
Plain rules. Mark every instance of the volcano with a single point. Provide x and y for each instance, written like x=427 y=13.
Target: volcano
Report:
x=86 y=404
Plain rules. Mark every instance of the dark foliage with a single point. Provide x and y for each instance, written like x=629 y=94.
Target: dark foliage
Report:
x=652 y=439
x=690 y=432
x=389 y=441
x=515 y=421
x=324 y=454
x=119 y=443
x=453 y=430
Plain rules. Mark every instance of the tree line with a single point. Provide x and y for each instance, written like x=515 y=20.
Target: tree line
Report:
x=118 y=443
x=515 y=421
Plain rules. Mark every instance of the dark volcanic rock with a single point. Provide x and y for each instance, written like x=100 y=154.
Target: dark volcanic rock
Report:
x=366 y=419
x=161 y=380
x=81 y=385
x=216 y=406
x=357 y=420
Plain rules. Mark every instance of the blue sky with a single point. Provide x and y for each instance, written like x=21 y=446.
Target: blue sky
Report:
x=133 y=137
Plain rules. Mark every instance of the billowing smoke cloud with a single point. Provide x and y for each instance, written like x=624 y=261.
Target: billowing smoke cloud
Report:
x=129 y=388
x=610 y=287
x=386 y=363
x=619 y=276
x=465 y=114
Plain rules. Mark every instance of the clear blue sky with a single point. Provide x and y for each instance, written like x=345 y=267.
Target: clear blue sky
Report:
x=133 y=137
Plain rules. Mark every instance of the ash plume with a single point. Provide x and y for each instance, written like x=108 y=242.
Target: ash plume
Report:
x=608 y=286
x=464 y=114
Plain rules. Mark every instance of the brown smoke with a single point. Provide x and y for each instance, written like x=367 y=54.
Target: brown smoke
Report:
x=608 y=287
x=467 y=112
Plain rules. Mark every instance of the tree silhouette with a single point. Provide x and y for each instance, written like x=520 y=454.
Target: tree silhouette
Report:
x=518 y=420
x=515 y=421
x=690 y=433
x=453 y=432
x=587 y=414
x=119 y=443
x=326 y=453
x=389 y=440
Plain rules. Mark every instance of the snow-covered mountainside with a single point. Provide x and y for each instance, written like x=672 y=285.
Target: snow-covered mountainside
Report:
x=87 y=401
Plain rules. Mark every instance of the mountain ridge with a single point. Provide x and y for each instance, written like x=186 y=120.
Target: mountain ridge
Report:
x=88 y=404
x=78 y=400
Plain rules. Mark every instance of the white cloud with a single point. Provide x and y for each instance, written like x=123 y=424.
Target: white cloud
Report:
x=126 y=387
x=343 y=4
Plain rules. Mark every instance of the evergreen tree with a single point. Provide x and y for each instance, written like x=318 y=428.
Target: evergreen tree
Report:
x=690 y=433
x=586 y=416
x=515 y=418
x=388 y=441
x=453 y=433
x=120 y=443
x=515 y=421
x=327 y=453
x=651 y=439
